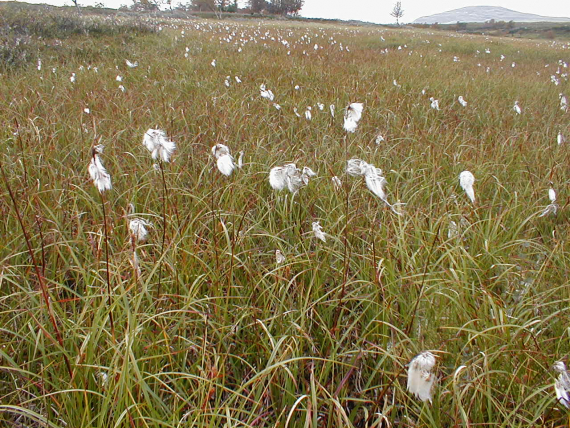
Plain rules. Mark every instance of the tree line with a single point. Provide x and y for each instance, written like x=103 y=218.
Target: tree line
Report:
x=277 y=7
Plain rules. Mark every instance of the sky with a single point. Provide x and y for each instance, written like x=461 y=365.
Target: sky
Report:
x=378 y=11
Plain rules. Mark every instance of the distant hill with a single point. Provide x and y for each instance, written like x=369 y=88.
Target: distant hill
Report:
x=484 y=14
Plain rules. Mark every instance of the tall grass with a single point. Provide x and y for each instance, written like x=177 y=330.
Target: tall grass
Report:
x=321 y=340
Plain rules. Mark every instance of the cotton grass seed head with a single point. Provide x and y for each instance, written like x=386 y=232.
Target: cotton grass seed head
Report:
x=420 y=376
x=158 y=144
x=97 y=172
x=466 y=181
x=279 y=257
x=562 y=384
x=290 y=177
x=318 y=231
x=355 y=167
x=552 y=195
x=352 y=116
x=224 y=160
x=138 y=229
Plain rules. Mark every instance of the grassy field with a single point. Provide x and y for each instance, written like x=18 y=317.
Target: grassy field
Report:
x=210 y=331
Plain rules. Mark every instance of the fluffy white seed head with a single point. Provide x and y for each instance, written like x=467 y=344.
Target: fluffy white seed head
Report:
x=277 y=178
x=138 y=229
x=308 y=172
x=294 y=178
x=318 y=231
x=290 y=176
x=226 y=164
x=434 y=103
x=420 y=376
x=220 y=150
x=562 y=384
x=97 y=172
x=466 y=180
x=158 y=145
x=266 y=93
x=374 y=181
x=517 y=108
x=355 y=167
x=552 y=195
x=337 y=183
x=352 y=116
x=279 y=257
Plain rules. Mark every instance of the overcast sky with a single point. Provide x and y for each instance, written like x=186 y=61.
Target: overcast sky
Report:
x=379 y=10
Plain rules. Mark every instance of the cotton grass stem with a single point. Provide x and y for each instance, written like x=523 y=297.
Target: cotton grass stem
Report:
x=39 y=276
x=164 y=206
x=422 y=285
x=107 y=269
x=346 y=251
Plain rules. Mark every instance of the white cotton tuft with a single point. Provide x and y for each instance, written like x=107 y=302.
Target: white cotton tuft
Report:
x=279 y=257
x=560 y=139
x=266 y=93
x=337 y=183
x=318 y=231
x=131 y=64
x=352 y=116
x=562 y=384
x=224 y=159
x=138 y=226
x=97 y=172
x=226 y=165
x=375 y=182
x=517 y=108
x=277 y=178
x=420 y=376
x=290 y=176
x=355 y=167
x=466 y=180
x=158 y=145
x=434 y=103
x=563 y=103
x=552 y=195
x=308 y=172
x=551 y=208
x=462 y=101
x=220 y=150
x=294 y=178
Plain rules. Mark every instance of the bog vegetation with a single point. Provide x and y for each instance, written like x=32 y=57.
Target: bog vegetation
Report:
x=185 y=290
